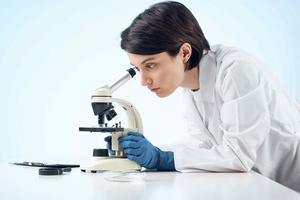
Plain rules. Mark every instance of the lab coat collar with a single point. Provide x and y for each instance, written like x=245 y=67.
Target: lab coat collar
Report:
x=207 y=77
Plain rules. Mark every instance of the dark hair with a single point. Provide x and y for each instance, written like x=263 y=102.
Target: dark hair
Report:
x=163 y=27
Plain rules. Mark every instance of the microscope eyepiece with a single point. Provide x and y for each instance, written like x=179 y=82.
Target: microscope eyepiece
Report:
x=131 y=72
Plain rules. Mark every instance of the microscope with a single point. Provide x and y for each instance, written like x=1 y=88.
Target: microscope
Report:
x=102 y=104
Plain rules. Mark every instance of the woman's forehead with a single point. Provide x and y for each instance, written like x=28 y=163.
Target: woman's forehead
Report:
x=137 y=59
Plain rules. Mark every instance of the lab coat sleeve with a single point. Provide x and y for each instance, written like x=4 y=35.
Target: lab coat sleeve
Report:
x=245 y=123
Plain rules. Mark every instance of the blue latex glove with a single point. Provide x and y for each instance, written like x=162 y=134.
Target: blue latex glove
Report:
x=139 y=149
x=108 y=145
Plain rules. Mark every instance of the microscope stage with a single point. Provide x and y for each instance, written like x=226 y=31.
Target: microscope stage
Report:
x=101 y=129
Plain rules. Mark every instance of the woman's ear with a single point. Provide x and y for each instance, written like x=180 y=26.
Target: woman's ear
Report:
x=186 y=52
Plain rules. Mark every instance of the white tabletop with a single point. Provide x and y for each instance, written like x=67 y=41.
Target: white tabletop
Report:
x=18 y=182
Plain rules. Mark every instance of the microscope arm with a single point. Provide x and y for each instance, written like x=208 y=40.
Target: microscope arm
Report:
x=134 y=118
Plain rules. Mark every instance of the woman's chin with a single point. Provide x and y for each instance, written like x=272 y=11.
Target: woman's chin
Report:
x=163 y=94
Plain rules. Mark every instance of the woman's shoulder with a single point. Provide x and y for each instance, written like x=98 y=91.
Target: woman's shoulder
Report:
x=228 y=54
x=235 y=60
x=237 y=68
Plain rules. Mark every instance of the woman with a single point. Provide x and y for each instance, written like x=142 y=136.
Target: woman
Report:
x=239 y=116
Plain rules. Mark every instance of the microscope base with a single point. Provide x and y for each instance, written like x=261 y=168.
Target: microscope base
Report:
x=101 y=164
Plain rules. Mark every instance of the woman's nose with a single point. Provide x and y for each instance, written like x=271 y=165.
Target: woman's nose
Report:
x=145 y=81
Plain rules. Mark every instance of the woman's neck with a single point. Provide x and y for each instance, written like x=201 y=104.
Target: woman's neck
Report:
x=191 y=79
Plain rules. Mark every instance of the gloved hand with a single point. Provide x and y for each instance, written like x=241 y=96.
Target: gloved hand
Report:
x=139 y=149
x=108 y=145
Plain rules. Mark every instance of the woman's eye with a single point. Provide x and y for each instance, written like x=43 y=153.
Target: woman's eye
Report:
x=150 y=66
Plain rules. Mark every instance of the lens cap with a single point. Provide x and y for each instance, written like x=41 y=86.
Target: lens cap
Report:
x=53 y=171
x=100 y=153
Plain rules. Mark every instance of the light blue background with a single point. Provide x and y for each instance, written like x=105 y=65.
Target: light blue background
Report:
x=53 y=53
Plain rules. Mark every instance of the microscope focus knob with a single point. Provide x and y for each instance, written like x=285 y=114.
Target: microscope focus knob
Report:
x=111 y=114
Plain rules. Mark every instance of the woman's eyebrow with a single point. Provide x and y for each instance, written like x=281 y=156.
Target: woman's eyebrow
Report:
x=151 y=58
x=143 y=62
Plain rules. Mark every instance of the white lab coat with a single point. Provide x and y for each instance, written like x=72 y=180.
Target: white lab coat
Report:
x=240 y=119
